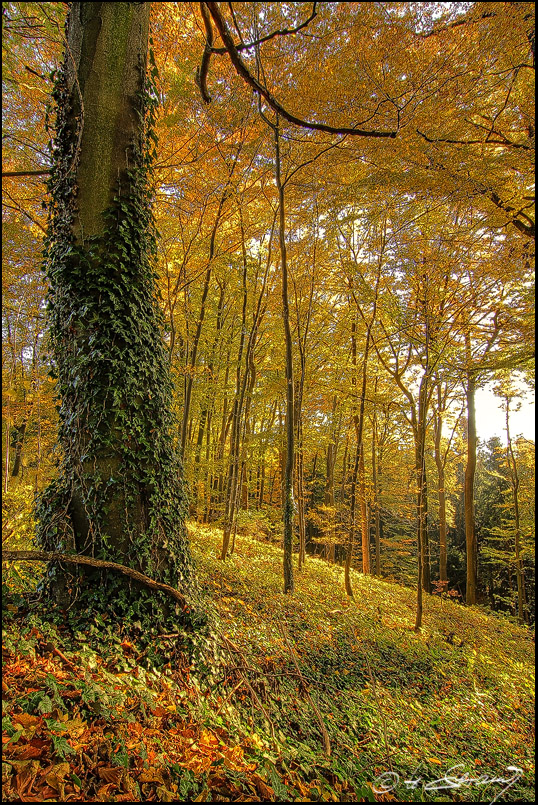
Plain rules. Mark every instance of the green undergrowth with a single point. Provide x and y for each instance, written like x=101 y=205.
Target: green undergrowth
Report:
x=458 y=694
x=442 y=715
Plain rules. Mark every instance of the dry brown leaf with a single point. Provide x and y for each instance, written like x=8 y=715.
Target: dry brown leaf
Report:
x=23 y=782
x=105 y=792
x=46 y=793
x=264 y=791
x=32 y=750
x=111 y=774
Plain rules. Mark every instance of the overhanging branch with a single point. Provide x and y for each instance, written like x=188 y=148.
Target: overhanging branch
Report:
x=280 y=32
x=201 y=73
x=25 y=173
x=247 y=76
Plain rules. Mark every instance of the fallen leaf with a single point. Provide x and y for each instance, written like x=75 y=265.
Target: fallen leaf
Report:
x=261 y=787
x=165 y=795
x=31 y=751
x=153 y=775
x=111 y=774
x=26 y=720
x=104 y=792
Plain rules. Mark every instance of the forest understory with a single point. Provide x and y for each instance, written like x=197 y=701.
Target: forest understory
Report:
x=315 y=697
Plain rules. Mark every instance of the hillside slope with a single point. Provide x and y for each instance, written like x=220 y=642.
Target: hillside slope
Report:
x=459 y=693
x=306 y=697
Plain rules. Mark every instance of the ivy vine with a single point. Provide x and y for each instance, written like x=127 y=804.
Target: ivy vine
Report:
x=118 y=494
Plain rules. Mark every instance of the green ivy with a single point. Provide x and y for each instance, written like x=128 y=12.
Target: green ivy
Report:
x=118 y=494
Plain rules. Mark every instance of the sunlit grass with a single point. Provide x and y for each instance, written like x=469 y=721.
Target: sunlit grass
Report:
x=459 y=691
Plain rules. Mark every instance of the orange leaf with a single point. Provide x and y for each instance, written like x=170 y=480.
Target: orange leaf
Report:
x=26 y=720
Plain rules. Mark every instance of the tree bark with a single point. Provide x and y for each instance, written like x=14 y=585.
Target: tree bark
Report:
x=288 y=502
x=438 y=428
x=119 y=491
x=376 y=497
x=522 y=611
x=20 y=432
x=470 y=469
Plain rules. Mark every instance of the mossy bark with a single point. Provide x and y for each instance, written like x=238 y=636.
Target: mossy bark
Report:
x=119 y=494
x=106 y=62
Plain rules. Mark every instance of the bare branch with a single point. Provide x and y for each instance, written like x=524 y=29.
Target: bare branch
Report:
x=257 y=42
x=244 y=72
x=25 y=173
x=201 y=73
x=457 y=23
x=502 y=141
x=46 y=556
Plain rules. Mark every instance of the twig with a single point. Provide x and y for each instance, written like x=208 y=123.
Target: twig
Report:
x=379 y=708
x=229 y=696
x=63 y=658
x=231 y=646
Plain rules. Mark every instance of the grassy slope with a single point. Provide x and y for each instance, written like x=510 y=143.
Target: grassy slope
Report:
x=94 y=726
x=430 y=703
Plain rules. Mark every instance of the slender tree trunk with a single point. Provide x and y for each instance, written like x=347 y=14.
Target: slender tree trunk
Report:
x=523 y=615
x=233 y=468
x=329 y=492
x=438 y=426
x=189 y=375
x=244 y=388
x=470 y=469
x=376 y=498
x=301 y=499
x=288 y=508
x=8 y=443
x=365 y=536
x=21 y=430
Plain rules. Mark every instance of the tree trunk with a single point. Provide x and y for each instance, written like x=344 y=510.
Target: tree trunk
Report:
x=376 y=499
x=119 y=494
x=288 y=507
x=189 y=375
x=438 y=427
x=523 y=615
x=20 y=432
x=365 y=536
x=470 y=469
x=329 y=494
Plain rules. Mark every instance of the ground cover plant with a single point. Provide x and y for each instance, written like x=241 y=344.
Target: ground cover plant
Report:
x=315 y=697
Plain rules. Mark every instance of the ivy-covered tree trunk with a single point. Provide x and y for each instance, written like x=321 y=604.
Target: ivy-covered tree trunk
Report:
x=118 y=494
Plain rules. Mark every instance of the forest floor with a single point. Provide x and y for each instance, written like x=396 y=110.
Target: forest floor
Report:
x=306 y=697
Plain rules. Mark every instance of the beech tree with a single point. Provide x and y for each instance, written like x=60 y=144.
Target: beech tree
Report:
x=429 y=129
x=118 y=495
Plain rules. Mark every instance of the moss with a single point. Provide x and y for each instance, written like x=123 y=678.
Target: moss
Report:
x=113 y=48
